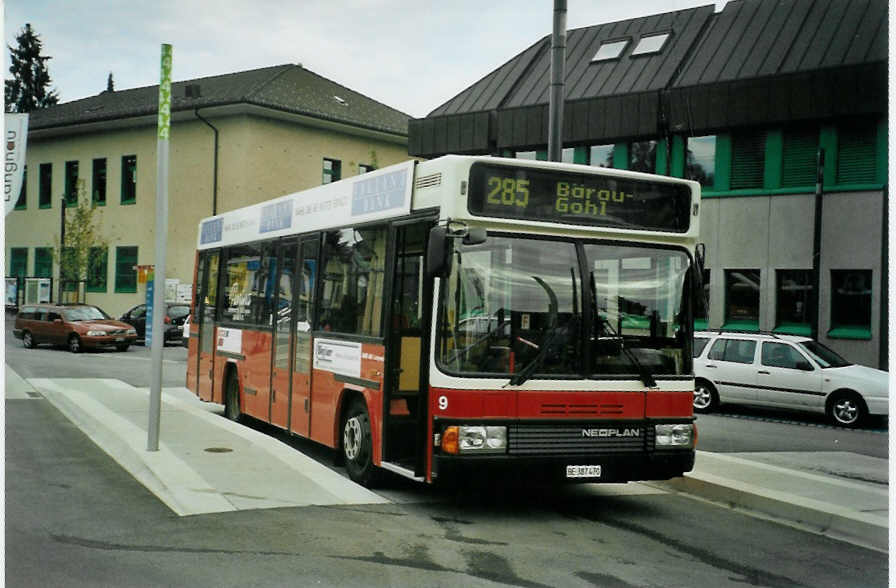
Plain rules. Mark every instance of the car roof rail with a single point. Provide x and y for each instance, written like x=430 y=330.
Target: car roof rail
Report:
x=721 y=331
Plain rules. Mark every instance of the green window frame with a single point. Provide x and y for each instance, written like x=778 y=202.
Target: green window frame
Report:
x=856 y=152
x=125 y=270
x=98 y=182
x=129 y=179
x=43 y=262
x=22 y=200
x=97 y=269
x=18 y=261
x=364 y=168
x=71 y=183
x=799 y=157
x=332 y=170
x=45 y=185
x=748 y=160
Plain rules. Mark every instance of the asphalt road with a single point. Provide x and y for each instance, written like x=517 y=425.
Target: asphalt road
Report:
x=75 y=518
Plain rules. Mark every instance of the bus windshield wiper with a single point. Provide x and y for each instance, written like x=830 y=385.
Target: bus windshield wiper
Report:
x=551 y=333
x=643 y=372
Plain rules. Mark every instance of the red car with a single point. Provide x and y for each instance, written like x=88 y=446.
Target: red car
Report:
x=75 y=326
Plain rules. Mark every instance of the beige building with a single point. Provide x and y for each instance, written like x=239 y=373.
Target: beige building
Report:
x=236 y=139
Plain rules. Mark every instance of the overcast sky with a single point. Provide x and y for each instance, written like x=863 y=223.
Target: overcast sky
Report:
x=412 y=56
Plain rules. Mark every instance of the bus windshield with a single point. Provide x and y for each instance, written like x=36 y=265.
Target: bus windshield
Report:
x=515 y=307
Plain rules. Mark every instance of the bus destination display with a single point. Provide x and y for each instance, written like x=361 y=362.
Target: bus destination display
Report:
x=579 y=199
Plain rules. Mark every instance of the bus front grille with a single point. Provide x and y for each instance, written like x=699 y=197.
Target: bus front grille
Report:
x=579 y=438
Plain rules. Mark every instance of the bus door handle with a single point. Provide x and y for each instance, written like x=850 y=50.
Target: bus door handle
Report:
x=764 y=372
x=709 y=365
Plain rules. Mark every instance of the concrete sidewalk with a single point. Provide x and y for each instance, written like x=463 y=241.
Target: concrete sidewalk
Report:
x=206 y=463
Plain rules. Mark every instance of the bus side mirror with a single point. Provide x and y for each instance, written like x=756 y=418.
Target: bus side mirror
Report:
x=437 y=252
x=475 y=236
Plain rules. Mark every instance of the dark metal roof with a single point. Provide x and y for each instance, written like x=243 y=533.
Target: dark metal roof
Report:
x=288 y=88
x=756 y=62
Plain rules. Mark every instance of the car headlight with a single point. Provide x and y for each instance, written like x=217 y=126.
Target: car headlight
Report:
x=682 y=435
x=474 y=439
x=95 y=333
x=132 y=331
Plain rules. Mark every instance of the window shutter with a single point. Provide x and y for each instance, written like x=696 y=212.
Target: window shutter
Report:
x=747 y=160
x=800 y=152
x=856 y=157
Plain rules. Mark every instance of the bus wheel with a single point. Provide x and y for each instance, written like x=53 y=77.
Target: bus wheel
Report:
x=357 y=447
x=232 y=398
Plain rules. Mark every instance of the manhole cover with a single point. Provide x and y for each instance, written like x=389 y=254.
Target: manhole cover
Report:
x=218 y=449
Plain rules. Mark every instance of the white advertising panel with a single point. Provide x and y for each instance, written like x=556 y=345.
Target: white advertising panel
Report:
x=339 y=357
x=230 y=340
x=384 y=193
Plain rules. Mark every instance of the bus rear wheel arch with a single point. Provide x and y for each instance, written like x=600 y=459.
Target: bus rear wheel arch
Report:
x=232 y=395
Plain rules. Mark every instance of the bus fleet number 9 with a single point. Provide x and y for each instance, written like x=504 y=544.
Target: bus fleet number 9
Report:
x=508 y=191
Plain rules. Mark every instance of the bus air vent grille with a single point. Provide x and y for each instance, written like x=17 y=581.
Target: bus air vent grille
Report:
x=430 y=181
x=579 y=438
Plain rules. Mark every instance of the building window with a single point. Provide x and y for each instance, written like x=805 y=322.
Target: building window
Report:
x=850 y=304
x=650 y=44
x=747 y=160
x=97 y=269
x=129 y=179
x=99 y=181
x=43 y=262
x=610 y=50
x=701 y=160
x=799 y=166
x=332 y=170
x=642 y=156
x=856 y=153
x=742 y=299
x=601 y=155
x=125 y=269
x=45 y=185
x=568 y=155
x=352 y=295
x=71 y=183
x=363 y=168
x=793 y=313
x=22 y=200
x=701 y=305
x=18 y=261
x=526 y=155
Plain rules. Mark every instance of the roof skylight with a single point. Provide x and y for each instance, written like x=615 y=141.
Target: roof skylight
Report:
x=340 y=100
x=610 y=50
x=650 y=44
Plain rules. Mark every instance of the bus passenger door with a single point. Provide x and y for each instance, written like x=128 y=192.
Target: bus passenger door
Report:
x=282 y=301
x=300 y=395
x=406 y=390
x=205 y=316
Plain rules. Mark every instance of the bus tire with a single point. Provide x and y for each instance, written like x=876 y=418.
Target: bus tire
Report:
x=357 y=445
x=232 y=397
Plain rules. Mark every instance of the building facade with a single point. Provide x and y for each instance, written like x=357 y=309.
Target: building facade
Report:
x=235 y=140
x=758 y=103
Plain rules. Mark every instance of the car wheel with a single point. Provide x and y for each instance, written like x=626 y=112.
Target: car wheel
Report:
x=706 y=398
x=28 y=340
x=232 y=398
x=123 y=346
x=847 y=409
x=357 y=446
x=74 y=344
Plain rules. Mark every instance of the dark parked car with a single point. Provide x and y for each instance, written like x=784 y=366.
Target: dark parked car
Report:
x=76 y=326
x=174 y=320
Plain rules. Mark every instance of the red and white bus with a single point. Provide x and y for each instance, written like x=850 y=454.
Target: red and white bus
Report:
x=432 y=318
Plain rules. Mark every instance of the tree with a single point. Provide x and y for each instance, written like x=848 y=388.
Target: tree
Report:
x=110 y=84
x=77 y=254
x=29 y=88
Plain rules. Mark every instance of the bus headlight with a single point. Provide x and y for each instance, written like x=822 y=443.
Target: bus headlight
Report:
x=474 y=439
x=675 y=435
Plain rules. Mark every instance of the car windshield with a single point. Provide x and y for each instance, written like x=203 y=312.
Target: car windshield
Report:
x=825 y=357
x=84 y=313
x=177 y=312
x=516 y=307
